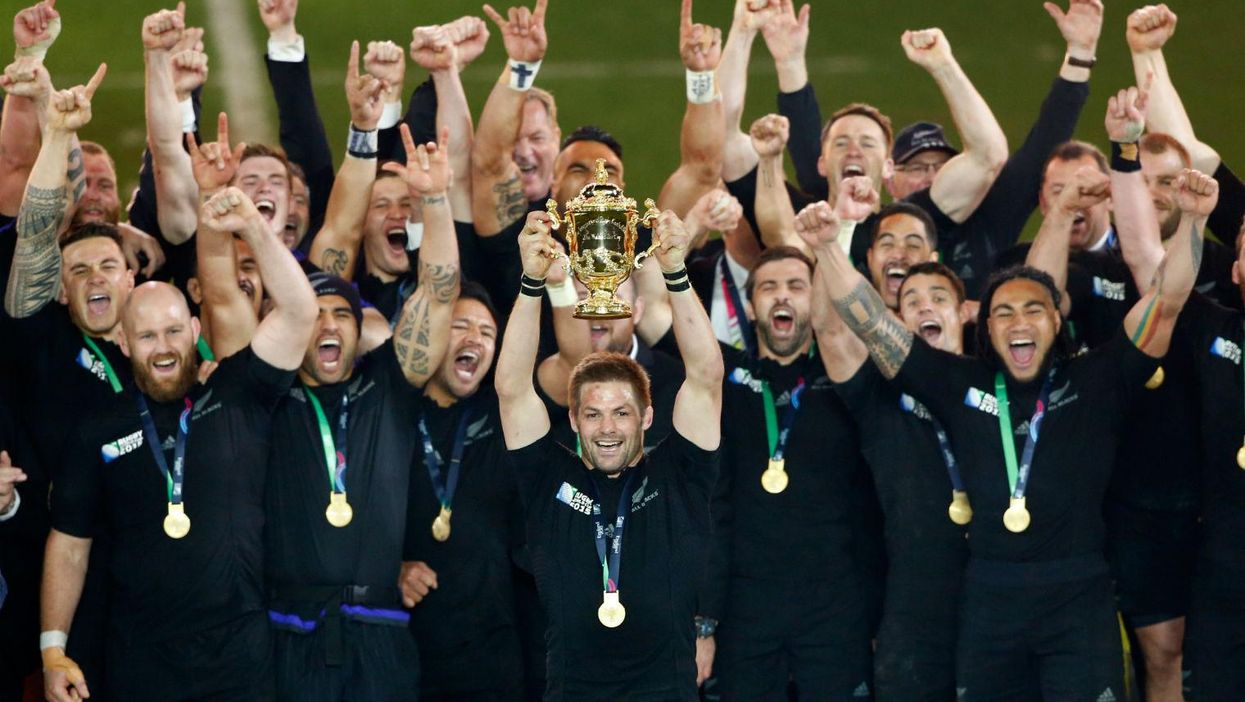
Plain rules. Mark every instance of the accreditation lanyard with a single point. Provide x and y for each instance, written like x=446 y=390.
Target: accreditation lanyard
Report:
x=99 y=355
x=445 y=489
x=333 y=440
x=611 y=563
x=735 y=307
x=174 y=477
x=908 y=404
x=1018 y=478
x=778 y=437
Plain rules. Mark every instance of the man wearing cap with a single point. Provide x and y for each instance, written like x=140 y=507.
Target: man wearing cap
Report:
x=343 y=444
x=920 y=150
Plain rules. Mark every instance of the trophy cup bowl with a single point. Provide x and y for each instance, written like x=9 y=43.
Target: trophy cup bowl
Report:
x=600 y=242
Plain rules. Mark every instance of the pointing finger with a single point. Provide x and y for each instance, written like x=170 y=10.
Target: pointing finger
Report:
x=685 y=16
x=93 y=84
x=352 y=69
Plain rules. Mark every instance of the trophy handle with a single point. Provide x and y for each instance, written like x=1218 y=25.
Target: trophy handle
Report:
x=555 y=223
x=651 y=213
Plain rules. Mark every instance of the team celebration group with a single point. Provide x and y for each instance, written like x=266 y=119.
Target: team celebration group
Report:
x=315 y=428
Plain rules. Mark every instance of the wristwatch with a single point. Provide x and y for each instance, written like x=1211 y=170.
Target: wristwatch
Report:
x=1082 y=63
x=705 y=627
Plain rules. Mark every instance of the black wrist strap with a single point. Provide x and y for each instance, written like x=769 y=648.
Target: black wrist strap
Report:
x=532 y=287
x=1125 y=158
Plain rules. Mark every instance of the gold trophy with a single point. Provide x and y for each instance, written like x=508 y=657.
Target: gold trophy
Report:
x=600 y=240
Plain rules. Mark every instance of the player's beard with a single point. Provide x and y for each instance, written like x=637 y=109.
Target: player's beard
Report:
x=784 y=347
x=169 y=389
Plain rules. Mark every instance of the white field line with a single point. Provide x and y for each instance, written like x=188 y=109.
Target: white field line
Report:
x=238 y=71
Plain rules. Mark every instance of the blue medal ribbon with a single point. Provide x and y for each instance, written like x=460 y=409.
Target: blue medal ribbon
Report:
x=176 y=476
x=445 y=490
x=611 y=566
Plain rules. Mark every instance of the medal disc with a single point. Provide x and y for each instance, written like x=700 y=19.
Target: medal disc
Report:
x=1156 y=380
x=960 y=511
x=611 y=612
x=176 y=523
x=1240 y=457
x=338 y=513
x=774 y=481
x=1016 y=518
x=441 y=525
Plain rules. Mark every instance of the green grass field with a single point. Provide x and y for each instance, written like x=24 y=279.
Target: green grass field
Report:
x=616 y=64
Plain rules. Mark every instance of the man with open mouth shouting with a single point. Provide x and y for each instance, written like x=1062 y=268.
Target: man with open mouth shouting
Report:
x=1037 y=535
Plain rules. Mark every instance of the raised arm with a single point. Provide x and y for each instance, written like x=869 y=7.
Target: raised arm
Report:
x=786 y=37
x=573 y=336
x=34 y=30
x=858 y=304
x=336 y=246
x=842 y=352
x=423 y=330
x=774 y=212
x=497 y=195
x=64 y=572
x=229 y=317
x=1136 y=221
x=1150 y=322
x=444 y=52
x=281 y=338
x=1148 y=30
x=524 y=418
x=703 y=134
x=51 y=193
x=962 y=183
x=1049 y=251
x=176 y=192
x=698 y=405
x=738 y=155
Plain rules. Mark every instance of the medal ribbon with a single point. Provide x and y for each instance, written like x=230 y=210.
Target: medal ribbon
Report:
x=173 y=478
x=611 y=566
x=1018 y=478
x=948 y=457
x=99 y=355
x=205 y=351
x=735 y=308
x=445 y=491
x=778 y=439
x=333 y=440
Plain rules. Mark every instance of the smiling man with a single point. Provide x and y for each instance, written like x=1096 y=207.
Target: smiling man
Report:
x=641 y=613
x=1037 y=534
x=172 y=474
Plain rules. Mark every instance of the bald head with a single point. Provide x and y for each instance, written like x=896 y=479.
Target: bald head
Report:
x=159 y=336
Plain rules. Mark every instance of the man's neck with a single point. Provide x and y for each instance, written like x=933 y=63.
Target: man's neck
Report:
x=113 y=335
x=310 y=381
x=440 y=394
x=765 y=352
x=380 y=275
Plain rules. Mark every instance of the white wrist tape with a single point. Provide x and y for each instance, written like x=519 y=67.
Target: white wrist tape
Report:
x=390 y=115
x=52 y=639
x=361 y=144
x=414 y=235
x=847 y=229
x=701 y=87
x=187 y=108
x=523 y=74
x=40 y=48
x=562 y=294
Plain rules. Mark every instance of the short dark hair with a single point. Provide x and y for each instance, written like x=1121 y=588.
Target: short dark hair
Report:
x=606 y=367
x=864 y=110
x=1062 y=347
x=472 y=290
x=775 y=253
x=907 y=208
x=1158 y=143
x=939 y=269
x=1073 y=150
x=263 y=150
x=94 y=230
x=590 y=132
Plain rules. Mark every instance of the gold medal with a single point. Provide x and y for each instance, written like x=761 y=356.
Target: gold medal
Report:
x=960 y=511
x=339 y=513
x=611 y=612
x=1016 y=518
x=1156 y=380
x=441 y=525
x=1240 y=457
x=774 y=479
x=176 y=523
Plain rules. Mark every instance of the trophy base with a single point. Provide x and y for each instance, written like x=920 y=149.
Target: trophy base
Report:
x=611 y=309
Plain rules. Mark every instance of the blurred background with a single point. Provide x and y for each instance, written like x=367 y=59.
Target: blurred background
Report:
x=616 y=64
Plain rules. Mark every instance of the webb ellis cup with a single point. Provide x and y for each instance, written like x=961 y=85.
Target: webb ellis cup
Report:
x=600 y=238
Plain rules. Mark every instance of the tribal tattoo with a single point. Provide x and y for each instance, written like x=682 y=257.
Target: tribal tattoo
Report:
x=35 y=279
x=511 y=205
x=888 y=341
x=438 y=286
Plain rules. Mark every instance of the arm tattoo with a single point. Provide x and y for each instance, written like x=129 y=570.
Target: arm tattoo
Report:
x=767 y=178
x=75 y=174
x=434 y=200
x=440 y=280
x=511 y=205
x=888 y=341
x=438 y=286
x=334 y=261
x=35 y=278
x=1197 y=243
